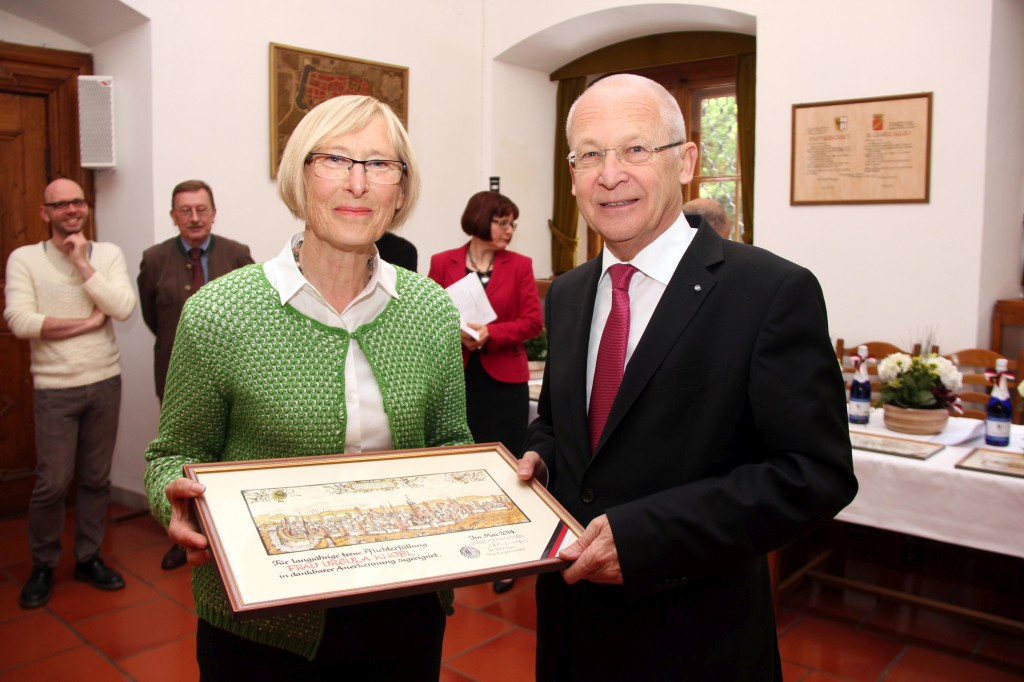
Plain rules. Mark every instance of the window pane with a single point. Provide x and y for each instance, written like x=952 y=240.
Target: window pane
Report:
x=718 y=136
x=724 y=193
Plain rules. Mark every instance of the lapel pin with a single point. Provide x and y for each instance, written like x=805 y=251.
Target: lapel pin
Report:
x=696 y=287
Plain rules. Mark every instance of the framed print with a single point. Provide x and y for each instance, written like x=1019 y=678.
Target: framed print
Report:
x=893 y=446
x=301 y=79
x=311 y=532
x=862 y=151
x=1005 y=462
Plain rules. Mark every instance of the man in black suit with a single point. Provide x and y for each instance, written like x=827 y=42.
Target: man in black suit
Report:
x=169 y=274
x=726 y=439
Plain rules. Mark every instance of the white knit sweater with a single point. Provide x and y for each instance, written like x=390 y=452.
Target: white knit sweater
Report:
x=42 y=282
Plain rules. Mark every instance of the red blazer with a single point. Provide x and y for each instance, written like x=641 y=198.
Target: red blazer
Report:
x=512 y=292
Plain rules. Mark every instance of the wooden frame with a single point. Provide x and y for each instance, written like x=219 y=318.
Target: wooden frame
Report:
x=300 y=79
x=862 y=151
x=888 y=445
x=1007 y=461
x=298 y=533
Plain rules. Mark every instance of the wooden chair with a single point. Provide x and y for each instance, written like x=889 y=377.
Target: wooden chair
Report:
x=879 y=349
x=974 y=395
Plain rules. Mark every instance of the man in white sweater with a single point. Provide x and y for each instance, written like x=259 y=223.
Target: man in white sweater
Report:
x=61 y=295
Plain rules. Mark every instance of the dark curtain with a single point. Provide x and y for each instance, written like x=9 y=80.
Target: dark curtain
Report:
x=746 y=106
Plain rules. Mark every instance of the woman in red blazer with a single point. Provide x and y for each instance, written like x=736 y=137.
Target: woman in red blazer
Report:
x=497 y=397
x=497 y=394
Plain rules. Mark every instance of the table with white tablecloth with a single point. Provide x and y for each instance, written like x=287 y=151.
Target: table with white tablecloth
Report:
x=934 y=499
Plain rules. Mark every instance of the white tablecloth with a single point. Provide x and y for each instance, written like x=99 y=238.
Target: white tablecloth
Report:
x=933 y=499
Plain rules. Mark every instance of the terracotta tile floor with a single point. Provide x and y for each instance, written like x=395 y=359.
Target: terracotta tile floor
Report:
x=146 y=632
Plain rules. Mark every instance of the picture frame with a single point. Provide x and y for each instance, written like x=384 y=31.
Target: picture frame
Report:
x=902 y=447
x=862 y=151
x=992 y=461
x=300 y=79
x=299 y=533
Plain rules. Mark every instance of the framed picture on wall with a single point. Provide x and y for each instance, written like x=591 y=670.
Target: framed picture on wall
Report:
x=862 y=151
x=301 y=79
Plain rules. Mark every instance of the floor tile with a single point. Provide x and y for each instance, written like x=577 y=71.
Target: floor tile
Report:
x=176 y=585
x=508 y=658
x=81 y=663
x=32 y=637
x=921 y=664
x=449 y=675
x=78 y=600
x=519 y=607
x=834 y=648
x=791 y=672
x=468 y=628
x=144 y=562
x=122 y=633
x=172 y=662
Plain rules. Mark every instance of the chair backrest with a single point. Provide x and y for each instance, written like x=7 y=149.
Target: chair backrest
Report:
x=879 y=349
x=974 y=395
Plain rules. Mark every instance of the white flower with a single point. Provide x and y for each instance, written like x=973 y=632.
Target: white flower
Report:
x=947 y=372
x=893 y=365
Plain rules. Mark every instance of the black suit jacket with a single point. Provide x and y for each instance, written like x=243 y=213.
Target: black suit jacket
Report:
x=165 y=282
x=728 y=438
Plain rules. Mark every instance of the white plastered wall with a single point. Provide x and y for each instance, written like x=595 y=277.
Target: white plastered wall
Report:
x=192 y=101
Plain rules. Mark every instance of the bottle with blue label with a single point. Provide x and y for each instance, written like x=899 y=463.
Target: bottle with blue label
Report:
x=999 y=412
x=860 y=388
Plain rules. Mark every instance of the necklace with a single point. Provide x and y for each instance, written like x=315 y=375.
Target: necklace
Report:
x=298 y=247
x=485 y=275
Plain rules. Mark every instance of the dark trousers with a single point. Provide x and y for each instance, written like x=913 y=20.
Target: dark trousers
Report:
x=394 y=639
x=75 y=431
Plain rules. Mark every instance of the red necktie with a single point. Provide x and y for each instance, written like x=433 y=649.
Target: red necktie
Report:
x=611 y=354
x=195 y=253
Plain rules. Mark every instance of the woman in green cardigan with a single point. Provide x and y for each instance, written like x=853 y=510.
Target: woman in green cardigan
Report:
x=323 y=349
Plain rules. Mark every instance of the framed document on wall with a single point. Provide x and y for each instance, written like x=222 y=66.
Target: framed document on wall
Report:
x=309 y=532
x=862 y=151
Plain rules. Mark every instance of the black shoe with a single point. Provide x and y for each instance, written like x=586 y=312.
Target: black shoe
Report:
x=503 y=586
x=174 y=558
x=95 y=572
x=38 y=589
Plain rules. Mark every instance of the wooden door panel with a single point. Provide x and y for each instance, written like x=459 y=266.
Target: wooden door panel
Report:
x=22 y=179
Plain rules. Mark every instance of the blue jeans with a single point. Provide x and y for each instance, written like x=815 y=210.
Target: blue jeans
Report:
x=75 y=431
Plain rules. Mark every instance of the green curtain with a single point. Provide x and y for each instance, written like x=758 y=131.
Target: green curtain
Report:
x=746 y=106
x=565 y=215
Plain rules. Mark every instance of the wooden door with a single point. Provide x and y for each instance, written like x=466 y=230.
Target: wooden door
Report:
x=22 y=176
x=38 y=142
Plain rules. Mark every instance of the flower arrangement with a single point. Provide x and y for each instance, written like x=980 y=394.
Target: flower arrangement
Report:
x=924 y=382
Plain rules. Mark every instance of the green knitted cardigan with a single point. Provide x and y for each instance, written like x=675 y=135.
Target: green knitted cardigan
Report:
x=252 y=379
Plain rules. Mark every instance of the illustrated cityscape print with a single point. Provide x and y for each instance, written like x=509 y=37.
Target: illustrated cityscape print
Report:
x=342 y=514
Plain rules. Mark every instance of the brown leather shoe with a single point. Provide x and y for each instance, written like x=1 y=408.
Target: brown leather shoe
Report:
x=174 y=558
x=96 y=573
x=38 y=589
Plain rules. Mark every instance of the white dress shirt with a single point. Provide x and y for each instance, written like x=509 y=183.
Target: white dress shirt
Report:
x=656 y=263
x=367 y=427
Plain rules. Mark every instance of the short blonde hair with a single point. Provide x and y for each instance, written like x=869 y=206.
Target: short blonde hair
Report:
x=341 y=116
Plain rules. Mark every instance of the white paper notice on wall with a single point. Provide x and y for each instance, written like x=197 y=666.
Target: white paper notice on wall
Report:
x=470 y=298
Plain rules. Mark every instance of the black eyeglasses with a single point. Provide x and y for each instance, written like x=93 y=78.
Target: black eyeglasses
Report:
x=61 y=205
x=336 y=167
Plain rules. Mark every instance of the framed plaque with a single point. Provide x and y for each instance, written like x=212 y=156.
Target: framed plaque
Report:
x=1006 y=462
x=862 y=151
x=888 y=445
x=311 y=532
